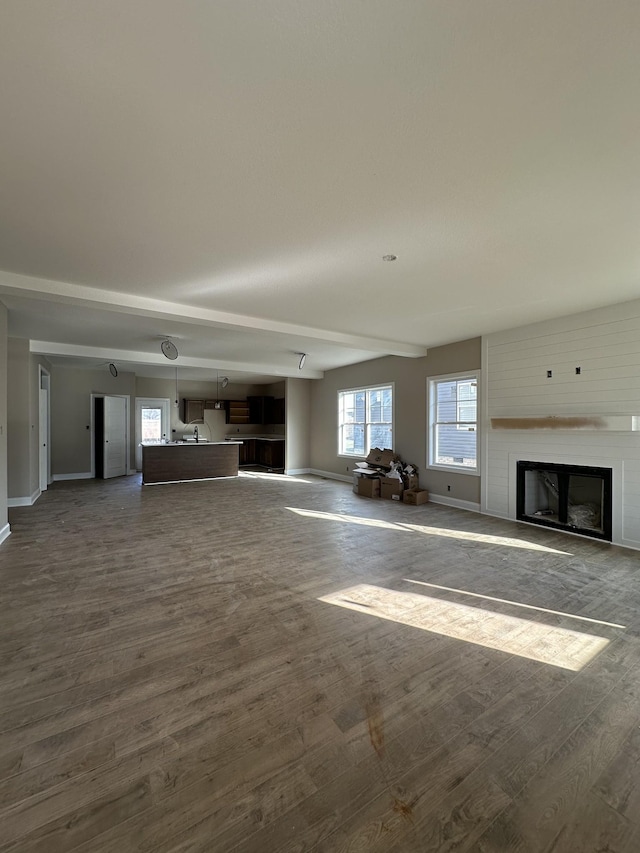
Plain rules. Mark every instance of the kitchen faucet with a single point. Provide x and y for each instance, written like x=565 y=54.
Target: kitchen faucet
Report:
x=195 y=431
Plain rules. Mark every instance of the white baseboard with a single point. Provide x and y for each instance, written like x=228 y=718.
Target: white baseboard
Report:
x=87 y=475
x=4 y=532
x=329 y=475
x=455 y=502
x=293 y=472
x=24 y=501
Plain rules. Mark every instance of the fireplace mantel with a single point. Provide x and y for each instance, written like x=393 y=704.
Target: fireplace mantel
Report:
x=612 y=423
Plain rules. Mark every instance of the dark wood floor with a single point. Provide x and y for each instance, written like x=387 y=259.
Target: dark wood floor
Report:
x=266 y=665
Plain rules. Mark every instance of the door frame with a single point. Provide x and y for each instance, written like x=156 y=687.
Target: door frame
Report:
x=163 y=403
x=44 y=420
x=92 y=427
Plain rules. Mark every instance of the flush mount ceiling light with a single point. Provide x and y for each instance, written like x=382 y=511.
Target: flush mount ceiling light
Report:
x=389 y=257
x=169 y=349
x=113 y=370
x=224 y=381
x=303 y=358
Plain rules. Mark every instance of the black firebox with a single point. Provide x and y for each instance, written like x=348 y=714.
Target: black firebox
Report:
x=576 y=498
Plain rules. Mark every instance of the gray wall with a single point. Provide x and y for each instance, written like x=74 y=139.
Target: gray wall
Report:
x=410 y=411
x=298 y=424
x=4 y=515
x=71 y=390
x=19 y=420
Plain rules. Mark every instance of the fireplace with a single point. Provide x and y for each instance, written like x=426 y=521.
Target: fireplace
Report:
x=576 y=498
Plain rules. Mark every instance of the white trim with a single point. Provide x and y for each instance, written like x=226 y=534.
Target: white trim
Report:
x=27 y=501
x=471 y=506
x=293 y=472
x=483 y=429
x=329 y=475
x=85 y=476
x=4 y=533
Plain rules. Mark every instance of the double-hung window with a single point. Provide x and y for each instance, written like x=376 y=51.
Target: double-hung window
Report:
x=453 y=422
x=365 y=420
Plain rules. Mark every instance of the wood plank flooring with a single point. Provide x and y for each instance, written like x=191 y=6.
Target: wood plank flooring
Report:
x=276 y=665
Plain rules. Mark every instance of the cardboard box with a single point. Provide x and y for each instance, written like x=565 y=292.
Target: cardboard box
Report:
x=411 y=481
x=381 y=458
x=415 y=496
x=391 y=489
x=369 y=487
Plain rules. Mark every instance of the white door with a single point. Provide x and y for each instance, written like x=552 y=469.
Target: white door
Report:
x=115 y=437
x=152 y=423
x=43 y=436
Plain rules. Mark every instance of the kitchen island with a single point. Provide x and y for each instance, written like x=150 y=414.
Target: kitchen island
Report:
x=193 y=460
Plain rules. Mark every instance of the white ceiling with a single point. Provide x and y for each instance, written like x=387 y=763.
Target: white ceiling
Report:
x=231 y=173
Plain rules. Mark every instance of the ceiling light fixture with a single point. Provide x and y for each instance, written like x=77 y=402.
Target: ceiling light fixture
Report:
x=169 y=349
x=389 y=257
x=303 y=358
x=113 y=370
x=224 y=382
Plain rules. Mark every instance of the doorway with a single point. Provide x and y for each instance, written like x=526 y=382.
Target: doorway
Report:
x=44 y=420
x=153 y=422
x=110 y=433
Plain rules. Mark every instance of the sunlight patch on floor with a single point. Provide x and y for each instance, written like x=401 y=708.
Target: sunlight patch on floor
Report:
x=560 y=647
x=463 y=535
x=516 y=603
x=266 y=475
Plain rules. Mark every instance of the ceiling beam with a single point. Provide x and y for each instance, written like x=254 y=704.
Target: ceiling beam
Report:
x=89 y=297
x=146 y=358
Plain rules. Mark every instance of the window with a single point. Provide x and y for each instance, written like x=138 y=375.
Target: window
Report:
x=365 y=420
x=453 y=422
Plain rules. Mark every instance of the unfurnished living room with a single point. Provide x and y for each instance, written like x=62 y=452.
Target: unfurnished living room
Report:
x=319 y=426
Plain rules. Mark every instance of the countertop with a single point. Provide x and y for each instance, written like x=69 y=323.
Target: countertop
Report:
x=254 y=437
x=203 y=443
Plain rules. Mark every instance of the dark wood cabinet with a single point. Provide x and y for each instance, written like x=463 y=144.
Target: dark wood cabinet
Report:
x=275 y=412
x=270 y=453
x=192 y=410
x=248 y=451
x=258 y=409
x=266 y=410
x=237 y=411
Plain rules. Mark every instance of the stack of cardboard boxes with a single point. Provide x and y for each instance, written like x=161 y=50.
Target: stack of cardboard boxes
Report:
x=384 y=475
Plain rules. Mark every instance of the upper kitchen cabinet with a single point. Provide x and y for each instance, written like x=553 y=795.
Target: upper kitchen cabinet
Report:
x=193 y=410
x=266 y=410
x=258 y=408
x=276 y=415
x=237 y=411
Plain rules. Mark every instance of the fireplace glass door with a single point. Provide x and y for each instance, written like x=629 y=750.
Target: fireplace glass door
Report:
x=569 y=497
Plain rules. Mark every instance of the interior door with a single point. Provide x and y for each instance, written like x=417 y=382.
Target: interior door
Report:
x=115 y=437
x=43 y=436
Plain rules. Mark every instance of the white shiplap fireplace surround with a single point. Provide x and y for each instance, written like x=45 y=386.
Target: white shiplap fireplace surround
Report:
x=584 y=413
